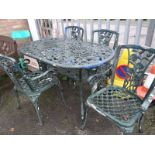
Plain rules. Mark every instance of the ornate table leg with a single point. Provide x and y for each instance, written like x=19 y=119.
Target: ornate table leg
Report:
x=84 y=108
x=81 y=94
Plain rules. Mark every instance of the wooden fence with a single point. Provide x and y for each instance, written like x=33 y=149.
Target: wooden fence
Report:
x=131 y=31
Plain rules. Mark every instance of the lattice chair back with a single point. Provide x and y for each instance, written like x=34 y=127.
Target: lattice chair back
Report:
x=74 y=32
x=106 y=37
x=10 y=67
x=133 y=72
x=8 y=46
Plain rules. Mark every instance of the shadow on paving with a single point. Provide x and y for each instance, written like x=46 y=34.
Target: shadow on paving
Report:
x=58 y=120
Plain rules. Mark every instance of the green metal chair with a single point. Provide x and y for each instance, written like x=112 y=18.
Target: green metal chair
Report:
x=31 y=84
x=73 y=32
x=121 y=105
x=107 y=38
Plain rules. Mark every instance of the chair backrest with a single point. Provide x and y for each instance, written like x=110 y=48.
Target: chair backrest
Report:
x=9 y=66
x=105 y=37
x=74 y=32
x=8 y=46
x=138 y=60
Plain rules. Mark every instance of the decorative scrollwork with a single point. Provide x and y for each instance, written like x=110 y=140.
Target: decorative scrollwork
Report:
x=105 y=37
x=9 y=66
x=74 y=32
x=26 y=81
x=68 y=53
x=138 y=61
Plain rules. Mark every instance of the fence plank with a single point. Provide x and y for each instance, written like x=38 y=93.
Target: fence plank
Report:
x=57 y=27
x=85 y=28
x=45 y=28
x=127 y=30
x=138 y=31
x=42 y=33
x=150 y=32
x=78 y=22
x=39 y=28
x=62 y=26
x=117 y=22
x=91 y=28
x=50 y=23
x=42 y=27
x=108 y=24
x=72 y=22
x=99 y=24
x=51 y=29
x=67 y=23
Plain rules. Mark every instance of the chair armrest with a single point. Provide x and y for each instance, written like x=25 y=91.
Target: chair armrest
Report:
x=38 y=78
x=39 y=74
x=96 y=80
x=99 y=75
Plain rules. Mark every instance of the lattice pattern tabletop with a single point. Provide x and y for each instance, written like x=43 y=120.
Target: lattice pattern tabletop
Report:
x=68 y=53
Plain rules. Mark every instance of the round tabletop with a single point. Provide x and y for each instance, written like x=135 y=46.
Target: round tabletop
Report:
x=68 y=53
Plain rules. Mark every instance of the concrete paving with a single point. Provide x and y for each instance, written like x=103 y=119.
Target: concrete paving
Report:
x=58 y=120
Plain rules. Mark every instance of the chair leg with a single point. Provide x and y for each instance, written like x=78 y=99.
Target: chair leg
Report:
x=0 y=97
x=36 y=105
x=141 y=124
x=72 y=82
x=127 y=130
x=127 y=133
x=84 y=120
x=61 y=93
x=74 y=85
x=17 y=99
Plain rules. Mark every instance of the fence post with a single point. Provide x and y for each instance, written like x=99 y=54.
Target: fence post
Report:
x=78 y=22
x=33 y=28
x=117 y=22
x=85 y=27
x=138 y=30
x=108 y=24
x=91 y=28
x=127 y=31
x=99 y=24
x=72 y=22
x=150 y=33
x=62 y=26
x=38 y=25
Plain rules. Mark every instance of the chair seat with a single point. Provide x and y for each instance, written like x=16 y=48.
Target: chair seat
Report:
x=117 y=104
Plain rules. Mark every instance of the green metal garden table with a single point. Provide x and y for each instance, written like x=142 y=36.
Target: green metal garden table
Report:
x=69 y=54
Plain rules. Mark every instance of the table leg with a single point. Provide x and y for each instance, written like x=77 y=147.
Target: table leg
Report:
x=81 y=93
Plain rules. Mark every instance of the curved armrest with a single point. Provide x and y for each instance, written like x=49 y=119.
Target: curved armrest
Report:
x=98 y=79
x=39 y=77
x=38 y=74
x=98 y=75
